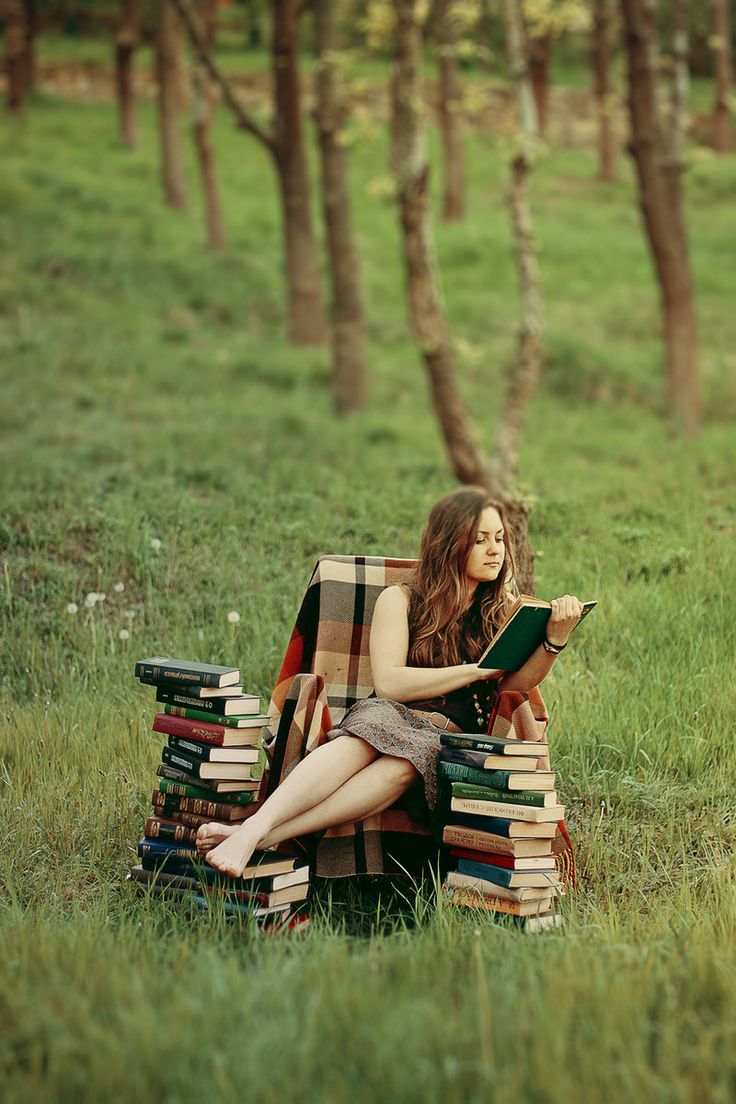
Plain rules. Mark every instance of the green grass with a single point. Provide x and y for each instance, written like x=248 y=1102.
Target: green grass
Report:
x=148 y=393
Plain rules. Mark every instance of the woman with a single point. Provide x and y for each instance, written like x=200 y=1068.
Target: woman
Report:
x=425 y=641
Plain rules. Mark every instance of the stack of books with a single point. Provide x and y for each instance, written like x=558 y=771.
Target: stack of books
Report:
x=210 y=770
x=499 y=817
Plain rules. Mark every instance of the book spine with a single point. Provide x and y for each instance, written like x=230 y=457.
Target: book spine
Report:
x=508 y=810
x=159 y=849
x=154 y=672
x=185 y=729
x=215 y=706
x=189 y=748
x=199 y=806
x=491 y=746
x=200 y=715
x=475 y=899
x=175 y=833
x=486 y=873
x=188 y=819
x=534 y=798
x=466 y=837
x=180 y=786
x=182 y=762
x=508 y=862
x=497 y=780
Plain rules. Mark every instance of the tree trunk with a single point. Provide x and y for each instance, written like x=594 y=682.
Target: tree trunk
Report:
x=127 y=40
x=450 y=114
x=426 y=309
x=721 y=45
x=602 y=27
x=169 y=77
x=29 y=50
x=307 y=322
x=539 y=48
x=201 y=126
x=16 y=31
x=659 y=171
x=348 y=326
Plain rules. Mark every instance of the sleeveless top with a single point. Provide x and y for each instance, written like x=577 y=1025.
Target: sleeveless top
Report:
x=469 y=707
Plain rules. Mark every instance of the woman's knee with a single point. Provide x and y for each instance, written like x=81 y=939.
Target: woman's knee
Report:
x=402 y=771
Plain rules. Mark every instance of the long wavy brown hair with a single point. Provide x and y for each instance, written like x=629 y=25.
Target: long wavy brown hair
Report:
x=443 y=630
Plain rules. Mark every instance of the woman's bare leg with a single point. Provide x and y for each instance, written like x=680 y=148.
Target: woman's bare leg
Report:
x=324 y=815
x=374 y=788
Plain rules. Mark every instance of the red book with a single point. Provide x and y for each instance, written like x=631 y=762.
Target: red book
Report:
x=206 y=733
x=510 y=862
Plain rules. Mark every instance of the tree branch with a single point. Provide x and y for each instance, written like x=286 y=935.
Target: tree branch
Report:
x=245 y=121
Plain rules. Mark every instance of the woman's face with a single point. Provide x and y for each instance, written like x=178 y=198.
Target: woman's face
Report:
x=488 y=551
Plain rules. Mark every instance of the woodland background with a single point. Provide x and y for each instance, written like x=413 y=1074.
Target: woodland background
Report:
x=273 y=277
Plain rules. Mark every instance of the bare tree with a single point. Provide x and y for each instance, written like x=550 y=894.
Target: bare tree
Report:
x=450 y=111
x=169 y=78
x=525 y=375
x=16 y=36
x=721 y=45
x=201 y=127
x=656 y=148
x=603 y=12
x=539 y=51
x=127 y=39
x=348 y=326
x=426 y=308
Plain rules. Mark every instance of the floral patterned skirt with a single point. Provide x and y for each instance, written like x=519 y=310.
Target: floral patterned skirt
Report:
x=394 y=729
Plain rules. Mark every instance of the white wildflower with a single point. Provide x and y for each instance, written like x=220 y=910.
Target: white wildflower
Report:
x=72 y=607
x=124 y=634
x=200 y=634
x=233 y=617
x=101 y=596
x=90 y=600
x=119 y=588
x=156 y=544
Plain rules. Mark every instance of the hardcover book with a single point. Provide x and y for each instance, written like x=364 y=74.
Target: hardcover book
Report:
x=457 y=836
x=527 y=813
x=287 y=895
x=511 y=878
x=211 y=785
x=471 y=898
x=257 y=720
x=219 y=772
x=206 y=732
x=509 y=862
x=481 y=760
x=157 y=827
x=456 y=880
x=454 y=771
x=503 y=826
x=521 y=633
x=494 y=745
x=205 y=753
x=200 y=806
x=530 y=798
x=202 y=692
x=216 y=707
x=185 y=670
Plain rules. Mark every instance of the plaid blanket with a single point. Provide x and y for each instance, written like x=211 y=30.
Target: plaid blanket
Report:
x=326 y=669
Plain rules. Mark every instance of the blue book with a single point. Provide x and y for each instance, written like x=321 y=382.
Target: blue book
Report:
x=500 y=826
x=499 y=875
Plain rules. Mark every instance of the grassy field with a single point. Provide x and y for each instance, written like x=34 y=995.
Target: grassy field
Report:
x=148 y=395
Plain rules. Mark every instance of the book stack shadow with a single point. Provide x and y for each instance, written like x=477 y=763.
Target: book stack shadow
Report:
x=498 y=816
x=211 y=762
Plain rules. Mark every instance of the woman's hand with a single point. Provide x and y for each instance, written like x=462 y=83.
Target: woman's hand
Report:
x=563 y=619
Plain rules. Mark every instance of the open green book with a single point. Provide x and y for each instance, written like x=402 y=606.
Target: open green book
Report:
x=521 y=633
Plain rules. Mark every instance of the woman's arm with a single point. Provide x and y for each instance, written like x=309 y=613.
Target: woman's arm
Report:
x=563 y=619
x=389 y=647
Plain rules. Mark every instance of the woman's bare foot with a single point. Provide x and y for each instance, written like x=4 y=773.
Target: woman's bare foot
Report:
x=232 y=855
x=209 y=835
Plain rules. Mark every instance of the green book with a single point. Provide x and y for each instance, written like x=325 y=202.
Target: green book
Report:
x=521 y=633
x=514 y=797
x=494 y=745
x=255 y=720
x=493 y=779
x=188 y=789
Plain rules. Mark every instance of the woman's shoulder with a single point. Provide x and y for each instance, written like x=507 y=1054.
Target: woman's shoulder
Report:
x=396 y=596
